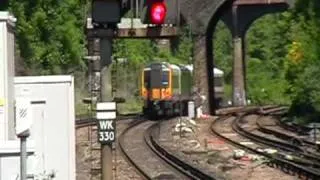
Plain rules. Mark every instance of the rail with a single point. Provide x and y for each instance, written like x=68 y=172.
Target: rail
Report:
x=274 y=160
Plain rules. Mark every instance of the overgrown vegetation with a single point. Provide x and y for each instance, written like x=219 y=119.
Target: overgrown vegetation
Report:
x=283 y=58
x=283 y=53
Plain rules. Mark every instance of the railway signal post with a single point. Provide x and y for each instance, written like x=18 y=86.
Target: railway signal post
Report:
x=105 y=16
x=106 y=115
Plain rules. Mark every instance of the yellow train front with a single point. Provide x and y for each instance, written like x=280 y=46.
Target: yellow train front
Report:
x=166 y=88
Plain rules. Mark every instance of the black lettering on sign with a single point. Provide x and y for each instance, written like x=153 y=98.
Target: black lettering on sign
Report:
x=106 y=131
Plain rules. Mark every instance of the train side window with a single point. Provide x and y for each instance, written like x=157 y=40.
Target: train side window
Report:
x=218 y=81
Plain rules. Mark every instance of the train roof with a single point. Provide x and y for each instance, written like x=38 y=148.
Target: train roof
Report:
x=216 y=71
x=165 y=65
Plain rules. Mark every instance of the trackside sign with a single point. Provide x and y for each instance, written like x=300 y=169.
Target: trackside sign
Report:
x=106 y=116
x=23 y=117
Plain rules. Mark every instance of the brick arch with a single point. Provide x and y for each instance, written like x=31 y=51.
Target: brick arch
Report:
x=202 y=16
x=247 y=19
x=215 y=17
x=199 y=14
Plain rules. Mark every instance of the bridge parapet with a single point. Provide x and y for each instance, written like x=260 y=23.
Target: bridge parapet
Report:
x=199 y=13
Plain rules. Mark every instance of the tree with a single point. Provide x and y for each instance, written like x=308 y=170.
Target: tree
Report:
x=302 y=64
x=49 y=34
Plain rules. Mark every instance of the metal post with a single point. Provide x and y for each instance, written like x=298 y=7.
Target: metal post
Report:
x=315 y=133
x=180 y=115
x=23 y=157
x=105 y=92
x=137 y=9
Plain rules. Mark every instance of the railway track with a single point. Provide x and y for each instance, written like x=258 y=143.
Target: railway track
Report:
x=303 y=130
x=287 y=131
x=167 y=166
x=291 y=137
x=84 y=122
x=285 y=147
x=139 y=145
x=276 y=160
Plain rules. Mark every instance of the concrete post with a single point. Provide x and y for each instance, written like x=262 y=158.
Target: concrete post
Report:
x=200 y=68
x=239 y=96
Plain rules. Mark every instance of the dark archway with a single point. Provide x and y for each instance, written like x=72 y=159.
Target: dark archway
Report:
x=224 y=6
x=202 y=16
x=238 y=18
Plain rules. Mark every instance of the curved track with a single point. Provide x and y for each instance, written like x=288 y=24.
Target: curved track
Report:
x=140 y=147
x=284 y=147
x=288 y=136
x=275 y=159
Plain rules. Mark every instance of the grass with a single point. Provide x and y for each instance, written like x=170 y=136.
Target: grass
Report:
x=81 y=91
x=132 y=105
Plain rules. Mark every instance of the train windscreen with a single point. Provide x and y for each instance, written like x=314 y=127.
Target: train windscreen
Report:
x=146 y=79
x=165 y=78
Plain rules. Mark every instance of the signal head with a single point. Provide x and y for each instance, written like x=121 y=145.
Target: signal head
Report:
x=158 y=13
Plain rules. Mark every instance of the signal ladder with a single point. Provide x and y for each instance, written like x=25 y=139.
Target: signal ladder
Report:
x=114 y=74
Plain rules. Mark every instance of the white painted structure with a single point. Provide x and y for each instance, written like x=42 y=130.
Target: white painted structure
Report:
x=52 y=138
x=216 y=72
x=7 y=23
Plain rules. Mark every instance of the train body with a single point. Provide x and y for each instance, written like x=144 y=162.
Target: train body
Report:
x=166 y=88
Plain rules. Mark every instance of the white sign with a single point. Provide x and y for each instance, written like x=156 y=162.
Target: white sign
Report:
x=23 y=115
x=106 y=106
x=106 y=115
x=106 y=131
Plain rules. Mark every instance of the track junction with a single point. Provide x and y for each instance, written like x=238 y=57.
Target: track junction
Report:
x=141 y=147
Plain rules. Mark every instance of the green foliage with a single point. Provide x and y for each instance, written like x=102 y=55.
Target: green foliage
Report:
x=303 y=73
x=136 y=51
x=223 y=49
x=48 y=34
x=266 y=51
x=183 y=53
x=267 y=39
x=264 y=58
x=283 y=51
x=306 y=97
x=131 y=106
x=263 y=87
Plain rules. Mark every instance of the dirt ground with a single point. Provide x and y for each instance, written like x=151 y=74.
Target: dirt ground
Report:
x=88 y=156
x=200 y=148
x=213 y=155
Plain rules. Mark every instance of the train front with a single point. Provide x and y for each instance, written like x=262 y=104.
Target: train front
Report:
x=156 y=88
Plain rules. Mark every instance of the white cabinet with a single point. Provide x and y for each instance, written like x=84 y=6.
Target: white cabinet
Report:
x=6 y=75
x=52 y=139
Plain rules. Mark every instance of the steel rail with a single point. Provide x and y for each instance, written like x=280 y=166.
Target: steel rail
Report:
x=183 y=167
x=276 y=143
x=274 y=160
x=126 y=155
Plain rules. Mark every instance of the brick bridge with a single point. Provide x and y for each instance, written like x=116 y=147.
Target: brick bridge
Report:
x=202 y=16
x=238 y=15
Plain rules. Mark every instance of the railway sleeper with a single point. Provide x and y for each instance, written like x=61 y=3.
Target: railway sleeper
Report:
x=275 y=161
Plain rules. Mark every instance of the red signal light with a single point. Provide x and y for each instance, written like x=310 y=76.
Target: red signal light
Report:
x=158 y=13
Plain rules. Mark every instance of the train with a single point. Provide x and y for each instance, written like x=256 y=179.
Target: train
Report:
x=167 y=88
